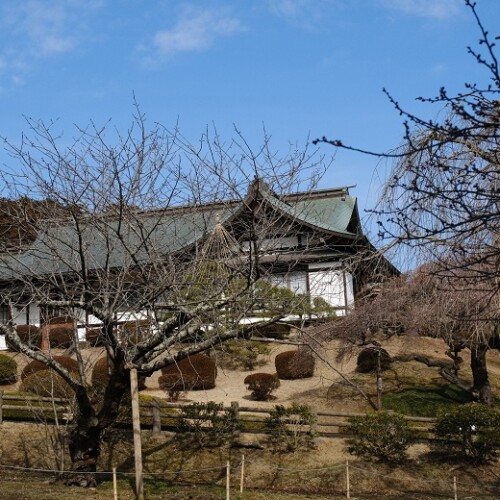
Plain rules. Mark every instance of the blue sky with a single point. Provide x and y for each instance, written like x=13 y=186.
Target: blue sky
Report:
x=299 y=67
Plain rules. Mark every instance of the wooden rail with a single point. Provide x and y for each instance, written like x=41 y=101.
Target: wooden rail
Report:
x=161 y=415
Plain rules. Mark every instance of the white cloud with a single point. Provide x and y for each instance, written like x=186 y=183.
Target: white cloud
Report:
x=195 y=30
x=432 y=9
x=33 y=30
x=304 y=13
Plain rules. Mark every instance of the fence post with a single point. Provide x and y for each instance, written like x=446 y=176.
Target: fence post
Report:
x=242 y=473
x=455 y=491
x=115 y=485
x=314 y=428
x=347 y=480
x=1 y=406
x=228 y=475
x=236 y=409
x=155 y=406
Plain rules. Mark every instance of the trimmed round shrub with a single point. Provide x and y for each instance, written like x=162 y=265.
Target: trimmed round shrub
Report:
x=60 y=320
x=470 y=431
x=8 y=370
x=29 y=334
x=198 y=371
x=46 y=383
x=100 y=376
x=379 y=435
x=292 y=365
x=61 y=336
x=261 y=385
x=94 y=337
x=36 y=366
x=368 y=359
x=277 y=331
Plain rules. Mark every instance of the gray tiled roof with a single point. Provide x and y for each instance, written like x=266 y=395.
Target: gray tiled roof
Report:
x=165 y=232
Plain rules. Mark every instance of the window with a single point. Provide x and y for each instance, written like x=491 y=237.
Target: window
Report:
x=4 y=314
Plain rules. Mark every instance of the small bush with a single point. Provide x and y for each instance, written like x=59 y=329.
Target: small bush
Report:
x=198 y=370
x=208 y=424
x=292 y=365
x=261 y=385
x=241 y=353
x=35 y=366
x=368 y=359
x=291 y=428
x=46 y=383
x=380 y=435
x=471 y=431
x=8 y=370
x=29 y=334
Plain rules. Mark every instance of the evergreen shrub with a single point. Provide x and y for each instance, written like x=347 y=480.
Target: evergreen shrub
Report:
x=291 y=428
x=208 y=424
x=470 y=431
x=379 y=435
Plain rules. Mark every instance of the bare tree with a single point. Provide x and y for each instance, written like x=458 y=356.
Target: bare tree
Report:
x=425 y=305
x=147 y=228
x=441 y=201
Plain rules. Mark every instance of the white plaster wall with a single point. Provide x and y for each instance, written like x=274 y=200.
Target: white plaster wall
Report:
x=329 y=284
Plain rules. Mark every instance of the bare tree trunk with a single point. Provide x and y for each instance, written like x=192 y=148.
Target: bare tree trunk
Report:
x=85 y=449
x=481 y=389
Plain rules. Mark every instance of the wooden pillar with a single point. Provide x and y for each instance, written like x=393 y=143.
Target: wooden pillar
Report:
x=136 y=425
x=44 y=337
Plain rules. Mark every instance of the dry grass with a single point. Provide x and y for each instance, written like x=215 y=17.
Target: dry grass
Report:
x=315 y=472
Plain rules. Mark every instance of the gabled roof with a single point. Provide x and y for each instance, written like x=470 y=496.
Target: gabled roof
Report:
x=153 y=234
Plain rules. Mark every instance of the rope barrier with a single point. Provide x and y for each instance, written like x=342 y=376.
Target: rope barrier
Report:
x=55 y=471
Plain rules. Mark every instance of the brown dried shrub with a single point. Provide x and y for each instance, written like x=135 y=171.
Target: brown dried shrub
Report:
x=62 y=336
x=261 y=385
x=199 y=369
x=29 y=334
x=100 y=376
x=368 y=359
x=292 y=365
x=46 y=383
x=36 y=366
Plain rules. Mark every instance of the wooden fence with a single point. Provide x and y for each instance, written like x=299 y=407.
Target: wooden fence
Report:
x=160 y=415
